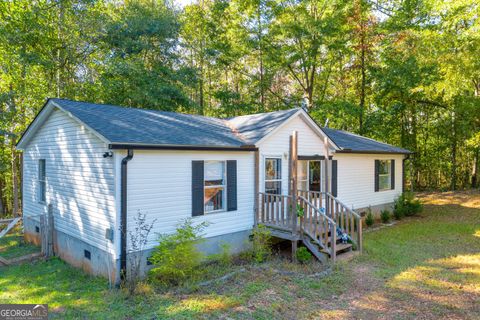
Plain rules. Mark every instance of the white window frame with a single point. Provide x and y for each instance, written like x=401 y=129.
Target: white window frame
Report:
x=265 y=172
x=388 y=174
x=308 y=174
x=42 y=181
x=223 y=186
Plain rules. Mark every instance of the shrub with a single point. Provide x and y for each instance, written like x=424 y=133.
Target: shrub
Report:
x=303 y=255
x=406 y=205
x=261 y=249
x=176 y=258
x=369 y=219
x=138 y=236
x=385 y=216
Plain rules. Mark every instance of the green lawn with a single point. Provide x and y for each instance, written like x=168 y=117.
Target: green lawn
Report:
x=13 y=246
x=424 y=267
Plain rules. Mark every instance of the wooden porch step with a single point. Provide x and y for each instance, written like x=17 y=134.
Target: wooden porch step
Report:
x=343 y=247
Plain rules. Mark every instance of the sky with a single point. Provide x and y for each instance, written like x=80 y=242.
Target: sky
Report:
x=183 y=3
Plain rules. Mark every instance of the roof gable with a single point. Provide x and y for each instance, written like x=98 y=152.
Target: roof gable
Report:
x=253 y=128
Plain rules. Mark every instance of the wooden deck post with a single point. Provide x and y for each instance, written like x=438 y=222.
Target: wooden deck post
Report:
x=293 y=189
x=256 y=188
x=327 y=178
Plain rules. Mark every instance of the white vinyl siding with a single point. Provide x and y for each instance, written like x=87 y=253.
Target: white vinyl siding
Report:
x=356 y=179
x=79 y=180
x=160 y=186
x=278 y=145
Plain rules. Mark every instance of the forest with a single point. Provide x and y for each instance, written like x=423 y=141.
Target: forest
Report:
x=406 y=72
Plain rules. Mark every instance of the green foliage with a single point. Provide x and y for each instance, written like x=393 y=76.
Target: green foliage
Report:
x=405 y=79
x=303 y=255
x=369 y=219
x=300 y=211
x=407 y=205
x=385 y=216
x=261 y=245
x=176 y=257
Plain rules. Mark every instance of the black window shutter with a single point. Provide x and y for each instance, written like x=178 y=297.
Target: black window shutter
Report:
x=377 y=168
x=197 y=188
x=231 y=185
x=392 y=174
x=334 y=177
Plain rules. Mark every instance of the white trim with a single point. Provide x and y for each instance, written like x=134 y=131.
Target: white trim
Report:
x=223 y=186
x=271 y=133
x=305 y=117
x=101 y=137
x=43 y=116
x=265 y=173
x=388 y=174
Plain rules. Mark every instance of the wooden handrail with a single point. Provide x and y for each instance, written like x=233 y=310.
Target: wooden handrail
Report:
x=318 y=210
x=319 y=227
x=346 y=218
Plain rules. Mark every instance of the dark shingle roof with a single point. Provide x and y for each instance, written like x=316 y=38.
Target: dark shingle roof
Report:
x=121 y=125
x=132 y=126
x=350 y=142
x=254 y=127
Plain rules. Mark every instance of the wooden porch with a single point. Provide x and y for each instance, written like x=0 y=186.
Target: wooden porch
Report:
x=317 y=219
x=313 y=218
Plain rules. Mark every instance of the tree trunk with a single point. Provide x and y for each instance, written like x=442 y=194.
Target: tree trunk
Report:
x=475 y=168
x=453 y=183
x=14 y=179
x=363 y=83
x=2 y=209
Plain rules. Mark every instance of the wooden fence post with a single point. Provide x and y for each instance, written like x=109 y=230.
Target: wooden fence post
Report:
x=46 y=231
x=43 y=234
x=51 y=228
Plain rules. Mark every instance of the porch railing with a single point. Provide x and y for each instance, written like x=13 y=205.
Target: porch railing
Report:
x=276 y=210
x=345 y=218
x=319 y=228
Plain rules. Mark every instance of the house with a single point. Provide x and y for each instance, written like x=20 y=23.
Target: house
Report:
x=95 y=166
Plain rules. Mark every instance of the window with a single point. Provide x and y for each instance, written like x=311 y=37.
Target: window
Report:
x=384 y=175
x=214 y=186
x=302 y=175
x=309 y=175
x=273 y=175
x=42 y=183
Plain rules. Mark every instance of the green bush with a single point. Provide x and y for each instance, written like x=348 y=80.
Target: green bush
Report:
x=385 y=216
x=261 y=246
x=303 y=255
x=369 y=219
x=176 y=257
x=406 y=205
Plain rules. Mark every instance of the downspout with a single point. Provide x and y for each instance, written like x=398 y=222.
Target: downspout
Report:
x=404 y=180
x=123 y=216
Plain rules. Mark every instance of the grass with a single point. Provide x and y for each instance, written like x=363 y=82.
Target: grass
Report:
x=12 y=245
x=422 y=267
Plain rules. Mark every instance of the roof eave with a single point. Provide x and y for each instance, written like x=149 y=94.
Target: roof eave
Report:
x=137 y=146
x=373 y=151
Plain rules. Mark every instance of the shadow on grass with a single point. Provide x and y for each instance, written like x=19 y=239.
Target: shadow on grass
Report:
x=72 y=294
x=425 y=267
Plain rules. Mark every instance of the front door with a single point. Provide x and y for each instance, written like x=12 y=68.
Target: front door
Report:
x=309 y=175
x=314 y=175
